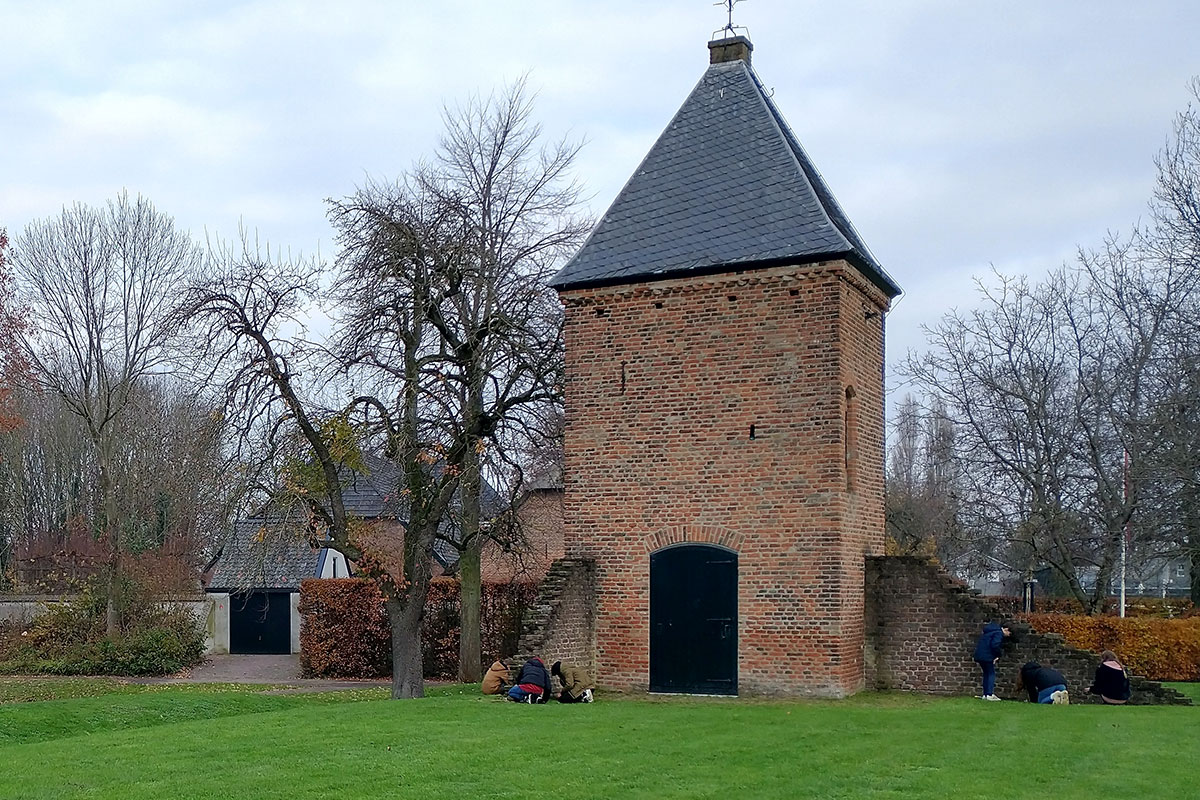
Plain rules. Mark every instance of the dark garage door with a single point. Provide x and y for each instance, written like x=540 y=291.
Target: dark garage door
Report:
x=260 y=623
x=693 y=620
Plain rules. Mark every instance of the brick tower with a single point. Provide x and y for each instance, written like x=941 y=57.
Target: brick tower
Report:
x=724 y=439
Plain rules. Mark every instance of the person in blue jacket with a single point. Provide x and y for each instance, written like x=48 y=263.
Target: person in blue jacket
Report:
x=987 y=652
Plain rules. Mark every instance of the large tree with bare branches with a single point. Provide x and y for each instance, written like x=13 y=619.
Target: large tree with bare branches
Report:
x=1075 y=431
x=513 y=196
x=99 y=285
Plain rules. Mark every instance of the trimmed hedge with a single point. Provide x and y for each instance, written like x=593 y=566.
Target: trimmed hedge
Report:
x=344 y=629
x=1168 y=607
x=1158 y=649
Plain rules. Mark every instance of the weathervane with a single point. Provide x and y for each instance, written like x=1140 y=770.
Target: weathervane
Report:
x=729 y=26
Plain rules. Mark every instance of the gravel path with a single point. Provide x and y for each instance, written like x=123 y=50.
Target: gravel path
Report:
x=284 y=670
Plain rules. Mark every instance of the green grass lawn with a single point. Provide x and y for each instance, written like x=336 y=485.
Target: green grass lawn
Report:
x=215 y=742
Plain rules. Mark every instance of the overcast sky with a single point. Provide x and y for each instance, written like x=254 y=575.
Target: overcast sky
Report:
x=956 y=135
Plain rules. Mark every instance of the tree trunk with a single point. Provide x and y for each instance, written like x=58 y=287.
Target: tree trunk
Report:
x=404 y=616
x=470 y=645
x=470 y=655
x=111 y=529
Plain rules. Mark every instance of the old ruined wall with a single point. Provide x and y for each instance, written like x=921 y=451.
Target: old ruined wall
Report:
x=922 y=625
x=560 y=625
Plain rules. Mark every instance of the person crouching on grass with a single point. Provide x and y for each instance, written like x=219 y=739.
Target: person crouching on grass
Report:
x=577 y=684
x=532 y=683
x=1111 y=681
x=1043 y=684
x=988 y=650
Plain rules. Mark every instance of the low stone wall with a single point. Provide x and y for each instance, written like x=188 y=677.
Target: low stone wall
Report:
x=922 y=625
x=211 y=610
x=561 y=623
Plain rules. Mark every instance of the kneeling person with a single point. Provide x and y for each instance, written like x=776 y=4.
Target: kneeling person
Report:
x=1043 y=684
x=532 y=684
x=577 y=684
x=497 y=678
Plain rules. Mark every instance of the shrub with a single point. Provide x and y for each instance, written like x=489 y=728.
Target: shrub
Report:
x=1167 y=607
x=1159 y=649
x=69 y=639
x=344 y=630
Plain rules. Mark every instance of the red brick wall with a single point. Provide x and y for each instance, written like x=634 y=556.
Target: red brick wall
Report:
x=923 y=625
x=541 y=541
x=664 y=381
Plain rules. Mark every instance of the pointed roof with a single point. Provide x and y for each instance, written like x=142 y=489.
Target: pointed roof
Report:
x=726 y=186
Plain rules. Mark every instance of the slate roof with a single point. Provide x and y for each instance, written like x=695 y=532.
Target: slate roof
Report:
x=283 y=558
x=726 y=186
x=279 y=561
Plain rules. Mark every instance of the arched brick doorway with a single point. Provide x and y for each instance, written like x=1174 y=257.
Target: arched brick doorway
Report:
x=693 y=619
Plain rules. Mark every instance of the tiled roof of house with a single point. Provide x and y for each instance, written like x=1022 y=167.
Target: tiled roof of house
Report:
x=726 y=186
x=264 y=554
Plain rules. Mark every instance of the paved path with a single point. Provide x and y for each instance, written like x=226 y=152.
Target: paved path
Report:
x=259 y=669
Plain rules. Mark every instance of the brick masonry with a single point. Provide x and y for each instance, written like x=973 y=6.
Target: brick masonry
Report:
x=560 y=626
x=922 y=625
x=664 y=382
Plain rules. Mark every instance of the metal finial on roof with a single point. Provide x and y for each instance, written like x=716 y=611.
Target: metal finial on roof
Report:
x=729 y=28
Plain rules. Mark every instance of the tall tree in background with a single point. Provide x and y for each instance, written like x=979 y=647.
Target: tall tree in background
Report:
x=1175 y=239
x=1069 y=395
x=519 y=207
x=12 y=361
x=922 y=491
x=99 y=285
x=12 y=366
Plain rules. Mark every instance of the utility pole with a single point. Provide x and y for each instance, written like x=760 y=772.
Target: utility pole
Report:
x=1125 y=536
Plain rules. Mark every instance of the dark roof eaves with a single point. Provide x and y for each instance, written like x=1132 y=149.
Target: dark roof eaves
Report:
x=712 y=269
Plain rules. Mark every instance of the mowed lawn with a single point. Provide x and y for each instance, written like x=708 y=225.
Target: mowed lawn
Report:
x=116 y=741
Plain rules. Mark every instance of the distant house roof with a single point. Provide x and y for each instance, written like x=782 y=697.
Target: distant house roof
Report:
x=264 y=554
x=280 y=559
x=726 y=186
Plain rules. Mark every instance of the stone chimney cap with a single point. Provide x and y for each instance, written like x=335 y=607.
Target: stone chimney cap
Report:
x=732 y=48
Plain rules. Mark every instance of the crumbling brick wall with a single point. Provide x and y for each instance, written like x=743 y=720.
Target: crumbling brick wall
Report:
x=922 y=625
x=561 y=624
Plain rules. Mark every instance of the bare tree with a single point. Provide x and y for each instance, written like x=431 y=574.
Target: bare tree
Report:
x=1071 y=397
x=402 y=255
x=515 y=199
x=100 y=284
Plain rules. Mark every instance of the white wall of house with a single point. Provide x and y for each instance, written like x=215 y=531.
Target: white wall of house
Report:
x=333 y=565
x=295 y=597
x=217 y=624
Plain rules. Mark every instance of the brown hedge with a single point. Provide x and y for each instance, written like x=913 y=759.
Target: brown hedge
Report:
x=1168 y=607
x=344 y=630
x=1159 y=649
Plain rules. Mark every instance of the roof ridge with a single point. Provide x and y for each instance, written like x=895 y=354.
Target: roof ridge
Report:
x=844 y=225
x=789 y=138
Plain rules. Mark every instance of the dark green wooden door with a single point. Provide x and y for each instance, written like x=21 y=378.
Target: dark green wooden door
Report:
x=693 y=620
x=260 y=623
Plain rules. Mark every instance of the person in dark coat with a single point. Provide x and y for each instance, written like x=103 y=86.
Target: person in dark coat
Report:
x=577 y=684
x=987 y=652
x=1111 y=681
x=1043 y=684
x=532 y=683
